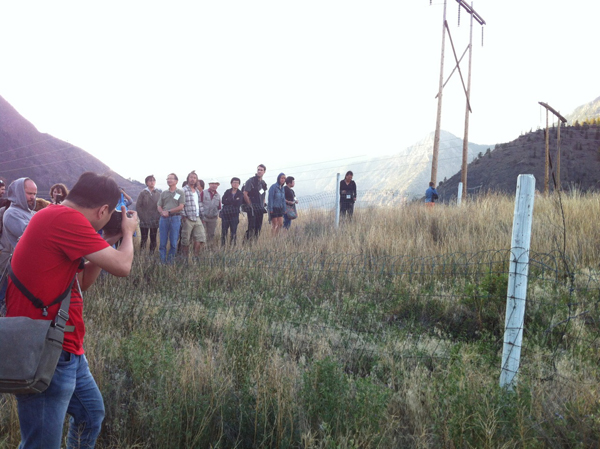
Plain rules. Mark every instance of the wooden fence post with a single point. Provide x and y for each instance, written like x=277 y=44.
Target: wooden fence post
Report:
x=337 y=200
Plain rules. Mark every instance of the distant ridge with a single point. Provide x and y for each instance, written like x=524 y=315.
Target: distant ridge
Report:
x=498 y=170
x=585 y=112
x=25 y=152
x=395 y=178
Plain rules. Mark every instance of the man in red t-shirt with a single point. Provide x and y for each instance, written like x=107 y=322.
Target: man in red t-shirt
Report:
x=45 y=261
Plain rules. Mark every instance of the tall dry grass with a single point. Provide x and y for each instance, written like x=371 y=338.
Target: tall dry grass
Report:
x=315 y=339
x=484 y=223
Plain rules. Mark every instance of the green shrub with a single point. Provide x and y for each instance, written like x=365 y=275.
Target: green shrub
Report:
x=338 y=406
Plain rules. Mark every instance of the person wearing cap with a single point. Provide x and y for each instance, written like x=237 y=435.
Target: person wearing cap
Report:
x=192 y=229
x=230 y=214
x=210 y=205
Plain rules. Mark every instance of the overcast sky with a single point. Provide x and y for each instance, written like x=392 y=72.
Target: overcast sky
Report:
x=220 y=86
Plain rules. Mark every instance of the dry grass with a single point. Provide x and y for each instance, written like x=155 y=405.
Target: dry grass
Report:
x=315 y=339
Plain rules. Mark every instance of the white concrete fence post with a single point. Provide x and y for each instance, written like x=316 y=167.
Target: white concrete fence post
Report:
x=517 y=281
x=459 y=195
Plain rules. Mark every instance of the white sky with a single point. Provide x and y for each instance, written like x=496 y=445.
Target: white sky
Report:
x=220 y=86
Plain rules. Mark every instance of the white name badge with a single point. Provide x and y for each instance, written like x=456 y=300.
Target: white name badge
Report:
x=176 y=196
x=261 y=191
x=348 y=197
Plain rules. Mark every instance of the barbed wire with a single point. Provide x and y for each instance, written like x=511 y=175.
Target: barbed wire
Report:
x=309 y=293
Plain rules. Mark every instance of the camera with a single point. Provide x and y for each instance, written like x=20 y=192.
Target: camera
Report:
x=114 y=224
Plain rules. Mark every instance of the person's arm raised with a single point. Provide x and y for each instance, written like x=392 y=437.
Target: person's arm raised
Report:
x=91 y=271
x=118 y=261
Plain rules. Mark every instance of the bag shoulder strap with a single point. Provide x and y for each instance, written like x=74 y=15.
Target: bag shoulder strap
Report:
x=38 y=302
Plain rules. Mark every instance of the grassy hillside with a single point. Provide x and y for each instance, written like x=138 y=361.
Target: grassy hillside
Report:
x=384 y=333
x=498 y=169
x=25 y=152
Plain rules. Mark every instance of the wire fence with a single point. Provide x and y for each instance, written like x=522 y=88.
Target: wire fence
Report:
x=323 y=204
x=237 y=335
x=362 y=307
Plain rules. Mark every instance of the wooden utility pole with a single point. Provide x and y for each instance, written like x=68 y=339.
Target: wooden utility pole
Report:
x=558 y=156
x=547 y=173
x=465 y=155
x=438 y=121
x=467 y=89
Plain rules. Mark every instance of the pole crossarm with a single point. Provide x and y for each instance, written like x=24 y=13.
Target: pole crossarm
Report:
x=551 y=109
x=471 y=11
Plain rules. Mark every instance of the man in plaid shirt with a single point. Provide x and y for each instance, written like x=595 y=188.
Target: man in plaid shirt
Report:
x=193 y=229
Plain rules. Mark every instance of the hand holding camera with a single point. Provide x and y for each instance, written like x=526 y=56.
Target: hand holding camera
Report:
x=129 y=221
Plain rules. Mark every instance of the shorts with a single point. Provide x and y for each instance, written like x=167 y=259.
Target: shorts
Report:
x=192 y=230
x=277 y=212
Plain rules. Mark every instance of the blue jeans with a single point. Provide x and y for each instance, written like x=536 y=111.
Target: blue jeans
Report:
x=73 y=391
x=169 y=230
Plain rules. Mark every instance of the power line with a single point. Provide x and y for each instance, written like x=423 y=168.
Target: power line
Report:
x=38 y=154
x=27 y=146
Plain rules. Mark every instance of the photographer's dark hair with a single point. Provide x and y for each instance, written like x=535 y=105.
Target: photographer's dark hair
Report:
x=149 y=178
x=92 y=190
x=349 y=172
x=289 y=179
x=60 y=186
x=263 y=166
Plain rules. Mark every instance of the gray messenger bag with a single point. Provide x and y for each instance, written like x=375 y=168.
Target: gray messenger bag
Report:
x=30 y=349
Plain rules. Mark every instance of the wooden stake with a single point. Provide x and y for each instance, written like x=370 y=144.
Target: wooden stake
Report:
x=558 y=157
x=547 y=176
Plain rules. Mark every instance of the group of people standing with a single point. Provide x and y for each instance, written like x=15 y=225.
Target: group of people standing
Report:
x=62 y=253
x=189 y=215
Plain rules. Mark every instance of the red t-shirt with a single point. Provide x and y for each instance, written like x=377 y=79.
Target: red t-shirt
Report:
x=45 y=261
